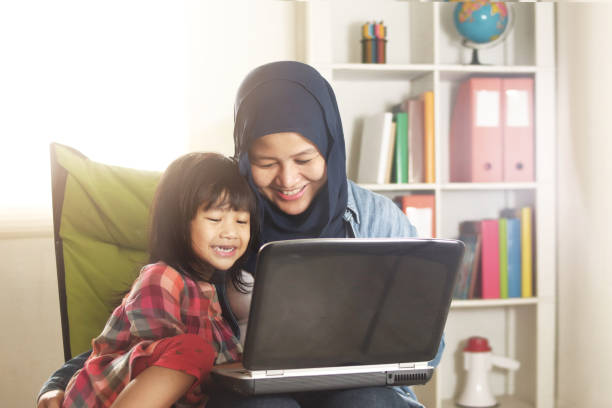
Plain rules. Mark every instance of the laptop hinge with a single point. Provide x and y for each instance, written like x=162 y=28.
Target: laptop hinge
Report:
x=274 y=372
x=406 y=365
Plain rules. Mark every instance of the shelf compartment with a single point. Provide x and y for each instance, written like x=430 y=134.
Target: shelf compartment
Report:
x=518 y=48
x=409 y=26
x=510 y=332
x=358 y=97
x=480 y=201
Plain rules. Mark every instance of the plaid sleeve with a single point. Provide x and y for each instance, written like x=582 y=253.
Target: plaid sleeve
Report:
x=153 y=306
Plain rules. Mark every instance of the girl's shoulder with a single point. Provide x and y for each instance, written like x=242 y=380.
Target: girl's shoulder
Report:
x=163 y=275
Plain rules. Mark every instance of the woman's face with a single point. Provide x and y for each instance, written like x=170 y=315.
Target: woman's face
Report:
x=220 y=235
x=288 y=170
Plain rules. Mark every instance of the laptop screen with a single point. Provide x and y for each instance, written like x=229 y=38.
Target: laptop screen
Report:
x=337 y=302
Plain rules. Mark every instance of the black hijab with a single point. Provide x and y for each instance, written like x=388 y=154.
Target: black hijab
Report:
x=289 y=96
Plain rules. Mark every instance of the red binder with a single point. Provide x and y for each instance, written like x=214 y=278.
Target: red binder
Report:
x=476 y=134
x=518 y=129
x=490 y=258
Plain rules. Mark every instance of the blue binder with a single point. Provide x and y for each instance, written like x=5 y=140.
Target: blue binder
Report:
x=514 y=257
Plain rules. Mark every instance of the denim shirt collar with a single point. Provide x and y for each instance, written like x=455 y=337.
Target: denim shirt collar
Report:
x=351 y=207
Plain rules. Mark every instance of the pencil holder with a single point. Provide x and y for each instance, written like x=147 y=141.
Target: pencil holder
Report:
x=374 y=50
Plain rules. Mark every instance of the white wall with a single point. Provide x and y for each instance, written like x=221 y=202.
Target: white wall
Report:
x=31 y=342
x=253 y=33
x=584 y=205
x=140 y=65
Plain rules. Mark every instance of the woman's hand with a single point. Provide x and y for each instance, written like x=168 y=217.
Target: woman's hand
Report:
x=51 y=399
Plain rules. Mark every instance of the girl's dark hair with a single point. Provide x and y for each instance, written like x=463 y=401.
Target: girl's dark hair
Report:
x=193 y=180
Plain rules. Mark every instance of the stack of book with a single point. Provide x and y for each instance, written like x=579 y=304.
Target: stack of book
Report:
x=498 y=260
x=398 y=146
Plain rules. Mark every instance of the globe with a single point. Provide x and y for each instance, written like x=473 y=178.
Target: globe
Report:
x=482 y=24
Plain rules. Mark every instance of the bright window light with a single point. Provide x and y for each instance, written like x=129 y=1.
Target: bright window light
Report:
x=108 y=78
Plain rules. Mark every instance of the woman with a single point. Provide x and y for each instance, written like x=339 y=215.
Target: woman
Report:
x=290 y=146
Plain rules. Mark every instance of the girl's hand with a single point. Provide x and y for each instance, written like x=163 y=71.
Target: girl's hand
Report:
x=209 y=385
x=51 y=399
x=235 y=364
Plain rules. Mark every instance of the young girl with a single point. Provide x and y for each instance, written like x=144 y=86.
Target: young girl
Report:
x=160 y=344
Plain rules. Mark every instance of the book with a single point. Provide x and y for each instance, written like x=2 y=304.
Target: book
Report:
x=475 y=277
x=526 y=252
x=476 y=137
x=503 y=258
x=376 y=139
x=490 y=258
x=518 y=129
x=469 y=233
x=429 y=136
x=390 y=152
x=520 y=258
x=421 y=211
x=513 y=265
x=462 y=284
x=416 y=148
x=401 y=147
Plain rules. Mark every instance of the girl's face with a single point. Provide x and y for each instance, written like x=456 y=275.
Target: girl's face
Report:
x=288 y=169
x=220 y=235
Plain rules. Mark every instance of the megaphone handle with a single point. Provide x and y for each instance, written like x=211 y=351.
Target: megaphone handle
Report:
x=505 y=362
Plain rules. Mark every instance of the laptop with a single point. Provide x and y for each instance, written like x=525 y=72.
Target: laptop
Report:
x=344 y=313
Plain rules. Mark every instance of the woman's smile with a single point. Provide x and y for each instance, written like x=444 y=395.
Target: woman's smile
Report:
x=293 y=194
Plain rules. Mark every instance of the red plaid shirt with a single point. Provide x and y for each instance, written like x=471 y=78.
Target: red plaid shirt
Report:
x=162 y=303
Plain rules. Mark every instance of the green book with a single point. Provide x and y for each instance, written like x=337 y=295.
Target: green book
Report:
x=503 y=258
x=401 y=148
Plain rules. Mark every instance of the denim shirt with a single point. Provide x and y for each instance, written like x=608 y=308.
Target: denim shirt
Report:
x=368 y=215
x=372 y=215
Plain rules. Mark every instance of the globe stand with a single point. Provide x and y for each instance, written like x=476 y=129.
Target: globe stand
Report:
x=474 y=47
x=475 y=60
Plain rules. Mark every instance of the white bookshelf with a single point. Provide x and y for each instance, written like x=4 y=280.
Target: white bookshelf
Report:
x=424 y=53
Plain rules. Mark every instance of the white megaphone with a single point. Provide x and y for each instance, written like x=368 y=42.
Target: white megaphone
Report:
x=478 y=361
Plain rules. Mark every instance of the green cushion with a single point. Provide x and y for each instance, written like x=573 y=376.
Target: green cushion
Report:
x=103 y=229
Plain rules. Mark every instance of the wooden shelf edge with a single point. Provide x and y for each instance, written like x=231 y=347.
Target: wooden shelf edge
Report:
x=358 y=66
x=527 y=69
x=489 y=186
x=382 y=67
x=399 y=187
x=485 y=303
x=451 y=186
x=505 y=401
